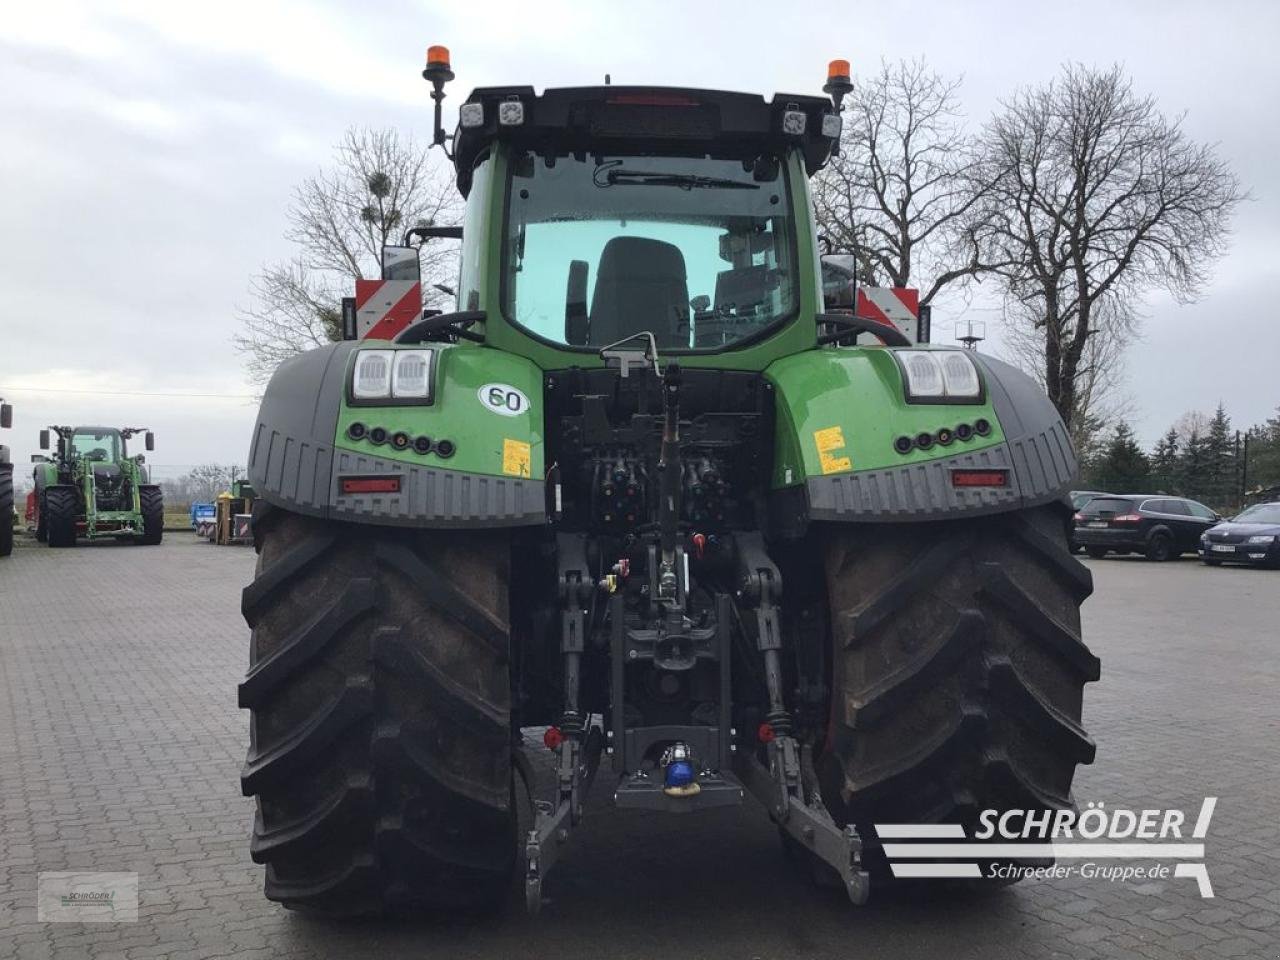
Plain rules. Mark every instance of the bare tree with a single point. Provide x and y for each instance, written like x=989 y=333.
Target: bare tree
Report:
x=1096 y=198
x=379 y=185
x=1100 y=397
x=901 y=194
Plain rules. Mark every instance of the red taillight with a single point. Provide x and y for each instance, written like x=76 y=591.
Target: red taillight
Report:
x=370 y=484
x=1127 y=518
x=1078 y=518
x=979 y=478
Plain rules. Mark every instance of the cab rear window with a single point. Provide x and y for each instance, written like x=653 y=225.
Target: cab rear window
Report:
x=1101 y=505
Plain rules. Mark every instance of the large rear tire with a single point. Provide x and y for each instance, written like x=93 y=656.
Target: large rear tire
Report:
x=380 y=740
x=151 y=501
x=6 y=510
x=60 y=515
x=957 y=671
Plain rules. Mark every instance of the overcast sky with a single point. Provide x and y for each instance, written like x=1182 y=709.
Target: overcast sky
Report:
x=149 y=150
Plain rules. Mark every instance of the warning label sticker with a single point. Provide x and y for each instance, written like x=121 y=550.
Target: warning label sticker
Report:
x=516 y=458
x=829 y=441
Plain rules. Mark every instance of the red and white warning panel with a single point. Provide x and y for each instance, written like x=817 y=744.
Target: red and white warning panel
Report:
x=899 y=306
x=385 y=307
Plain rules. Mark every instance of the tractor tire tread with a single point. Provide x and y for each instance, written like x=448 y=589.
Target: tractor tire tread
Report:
x=6 y=509
x=958 y=670
x=60 y=510
x=379 y=690
x=151 y=505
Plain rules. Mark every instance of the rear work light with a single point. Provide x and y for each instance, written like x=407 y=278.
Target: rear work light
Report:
x=980 y=478
x=392 y=376
x=939 y=376
x=370 y=484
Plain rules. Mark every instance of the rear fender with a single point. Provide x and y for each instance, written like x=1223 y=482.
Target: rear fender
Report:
x=304 y=444
x=840 y=411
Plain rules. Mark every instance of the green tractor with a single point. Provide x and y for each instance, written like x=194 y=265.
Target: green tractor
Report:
x=6 y=485
x=91 y=488
x=642 y=500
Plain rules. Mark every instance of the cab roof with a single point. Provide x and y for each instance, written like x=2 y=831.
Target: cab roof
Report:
x=619 y=119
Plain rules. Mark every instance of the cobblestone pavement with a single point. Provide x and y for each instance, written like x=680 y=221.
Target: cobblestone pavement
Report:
x=121 y=744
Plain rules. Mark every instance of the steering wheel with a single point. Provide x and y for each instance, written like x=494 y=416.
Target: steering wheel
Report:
x=887 y=332
x=456 y=323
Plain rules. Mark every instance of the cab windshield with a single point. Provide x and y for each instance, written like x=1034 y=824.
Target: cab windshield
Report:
x=97 y=444
x=698 y=251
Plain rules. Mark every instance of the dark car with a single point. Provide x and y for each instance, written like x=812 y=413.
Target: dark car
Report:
x=1161 y=527
x=1080 y=497
x=1252 y=536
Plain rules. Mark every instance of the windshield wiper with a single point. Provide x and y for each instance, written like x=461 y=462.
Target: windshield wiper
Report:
x=685 y=181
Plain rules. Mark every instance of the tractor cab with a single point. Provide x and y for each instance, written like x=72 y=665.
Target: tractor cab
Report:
x=101 y=445
x=596 y=215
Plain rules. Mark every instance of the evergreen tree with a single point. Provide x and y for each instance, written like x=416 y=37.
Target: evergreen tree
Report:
x=1220 y=453
x=1164 y=463
x=1123 y=467
x=1264 y=454
x=1088 y=435
x=1194 y=466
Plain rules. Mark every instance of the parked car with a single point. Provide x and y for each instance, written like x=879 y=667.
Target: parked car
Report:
x=1252 y=536
x=1161 y=527
x=1080 y=497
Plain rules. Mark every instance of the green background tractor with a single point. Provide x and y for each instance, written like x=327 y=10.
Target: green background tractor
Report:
x=92 y=488
x=6 y=485
x=642 y=491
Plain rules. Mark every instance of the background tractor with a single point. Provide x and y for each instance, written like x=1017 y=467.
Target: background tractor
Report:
x=642 y=491
x=92 y=488
x=6 y=485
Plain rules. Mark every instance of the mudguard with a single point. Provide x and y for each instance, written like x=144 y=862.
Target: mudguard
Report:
x=308 y=440
x=43 y=475
x=839 y=413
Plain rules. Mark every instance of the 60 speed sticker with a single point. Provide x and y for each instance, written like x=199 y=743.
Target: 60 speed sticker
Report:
x=504 y=399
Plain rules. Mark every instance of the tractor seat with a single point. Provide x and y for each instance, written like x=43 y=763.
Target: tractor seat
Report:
x=641 y=284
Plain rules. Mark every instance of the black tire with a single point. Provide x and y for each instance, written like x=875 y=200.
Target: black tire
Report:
x=60 y=515
x=1160 y=547
x=380 y=740
x=1097 y=553
x=42 y=528
x=151 y=501
x=6 y=510
x=957 y=671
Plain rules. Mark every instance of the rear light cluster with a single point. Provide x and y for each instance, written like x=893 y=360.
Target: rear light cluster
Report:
x=943 y=437
x=352 y=485
x=1127 y=518
x=980 y=478
x=401 y=441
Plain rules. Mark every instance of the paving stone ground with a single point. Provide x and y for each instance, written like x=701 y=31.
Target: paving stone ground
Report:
x=121 y=744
